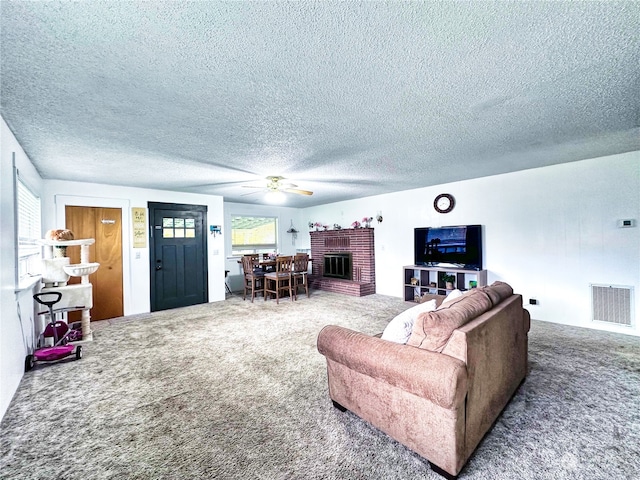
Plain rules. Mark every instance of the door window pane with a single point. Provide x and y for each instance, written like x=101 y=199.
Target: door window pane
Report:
x=178 y=227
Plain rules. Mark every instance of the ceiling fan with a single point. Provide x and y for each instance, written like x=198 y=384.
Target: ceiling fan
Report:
x=276 y=189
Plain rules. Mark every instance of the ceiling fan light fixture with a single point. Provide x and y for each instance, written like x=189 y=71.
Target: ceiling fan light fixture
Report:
x=275 y=197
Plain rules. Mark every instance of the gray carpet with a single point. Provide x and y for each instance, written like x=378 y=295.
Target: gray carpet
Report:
x=235 y=390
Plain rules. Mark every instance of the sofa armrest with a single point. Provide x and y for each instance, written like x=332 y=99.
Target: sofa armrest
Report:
x=440 y=378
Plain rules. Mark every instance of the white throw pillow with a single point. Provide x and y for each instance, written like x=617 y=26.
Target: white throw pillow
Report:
x=399 y=329
x=453 y=294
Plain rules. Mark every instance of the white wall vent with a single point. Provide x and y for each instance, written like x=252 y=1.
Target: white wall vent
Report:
x=611 y=304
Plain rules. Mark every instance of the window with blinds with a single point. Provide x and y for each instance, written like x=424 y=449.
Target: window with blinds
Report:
x=253 y=235
x=29 y=230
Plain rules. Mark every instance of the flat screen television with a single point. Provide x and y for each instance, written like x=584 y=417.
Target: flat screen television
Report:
x=456 y=246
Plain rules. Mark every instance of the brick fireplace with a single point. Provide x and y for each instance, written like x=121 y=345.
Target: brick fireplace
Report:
x=356 y=241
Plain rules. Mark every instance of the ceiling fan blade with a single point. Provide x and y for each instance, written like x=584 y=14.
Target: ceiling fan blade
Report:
x=218 y=184
x=251 y=186
x=249 y=193
x=298 y=191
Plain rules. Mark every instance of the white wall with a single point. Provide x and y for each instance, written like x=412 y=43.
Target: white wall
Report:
x=286 y=244
x=16 y=306
x=549 y=232
x=136 y=282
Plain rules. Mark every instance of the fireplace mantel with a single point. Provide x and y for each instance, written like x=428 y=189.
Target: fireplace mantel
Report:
x=360 y=243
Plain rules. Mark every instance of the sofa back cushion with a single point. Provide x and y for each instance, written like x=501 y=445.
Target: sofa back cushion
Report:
x=431 y=330
x=498 y=291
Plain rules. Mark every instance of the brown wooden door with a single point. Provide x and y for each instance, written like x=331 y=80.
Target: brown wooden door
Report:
x=105 y=225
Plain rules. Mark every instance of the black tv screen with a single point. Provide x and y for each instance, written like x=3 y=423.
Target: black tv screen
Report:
x=456 y=246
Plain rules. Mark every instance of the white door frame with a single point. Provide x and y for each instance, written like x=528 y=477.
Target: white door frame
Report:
x=62 y=201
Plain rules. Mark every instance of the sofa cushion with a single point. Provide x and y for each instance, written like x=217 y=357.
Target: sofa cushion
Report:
x=432 y=330
x=498 y=291
x=453 y=294
x=399 y=329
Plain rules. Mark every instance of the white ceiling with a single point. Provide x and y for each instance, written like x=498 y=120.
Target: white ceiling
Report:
x=347 y=99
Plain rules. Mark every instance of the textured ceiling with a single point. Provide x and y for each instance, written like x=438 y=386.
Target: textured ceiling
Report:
x=347 y=99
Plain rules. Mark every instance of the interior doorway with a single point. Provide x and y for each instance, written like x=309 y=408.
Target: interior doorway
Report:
x=178 y=263
x=105 y=225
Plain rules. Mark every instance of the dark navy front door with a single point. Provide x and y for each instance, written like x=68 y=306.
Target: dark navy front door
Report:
x=178 y=255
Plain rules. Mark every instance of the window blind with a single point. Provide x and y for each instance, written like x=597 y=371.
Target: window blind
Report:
x=29 y=228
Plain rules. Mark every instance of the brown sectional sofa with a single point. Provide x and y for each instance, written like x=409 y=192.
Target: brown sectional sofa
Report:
x=442 y=391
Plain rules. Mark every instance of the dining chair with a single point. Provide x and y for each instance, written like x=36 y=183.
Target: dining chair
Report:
x=267 y=266
x=227 y=289
x=280 y=279
x=253 y=278
x=300 y=270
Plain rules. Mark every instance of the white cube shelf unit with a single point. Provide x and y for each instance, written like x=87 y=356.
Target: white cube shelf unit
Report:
x=420 y=280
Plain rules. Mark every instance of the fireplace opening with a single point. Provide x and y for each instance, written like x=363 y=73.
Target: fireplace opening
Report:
x=337 y=265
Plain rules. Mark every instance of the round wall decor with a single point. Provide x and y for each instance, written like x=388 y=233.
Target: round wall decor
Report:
x=444 y=203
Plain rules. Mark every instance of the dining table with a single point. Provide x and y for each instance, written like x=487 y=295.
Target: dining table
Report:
x=267 y=264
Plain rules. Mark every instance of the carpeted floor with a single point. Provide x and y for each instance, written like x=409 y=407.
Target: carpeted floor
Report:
x=235 y=390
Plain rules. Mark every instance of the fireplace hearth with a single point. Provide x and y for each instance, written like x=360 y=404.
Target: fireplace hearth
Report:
x=338 y=265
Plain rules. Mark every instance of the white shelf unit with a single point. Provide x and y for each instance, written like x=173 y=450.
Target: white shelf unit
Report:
x=77 y=294
x=420 y=280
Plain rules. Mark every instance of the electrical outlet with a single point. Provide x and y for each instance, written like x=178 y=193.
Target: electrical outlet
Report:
x=534 y=301
x=627 y=223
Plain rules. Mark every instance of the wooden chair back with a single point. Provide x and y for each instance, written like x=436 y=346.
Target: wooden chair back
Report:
x=255 y=258
x=246 y=264
x=284 y=264
x=253 y=280
x=300 y=262
x=249 y=263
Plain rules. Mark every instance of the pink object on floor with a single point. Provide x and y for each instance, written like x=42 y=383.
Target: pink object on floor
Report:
x=53 y=353
x=61 y=329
